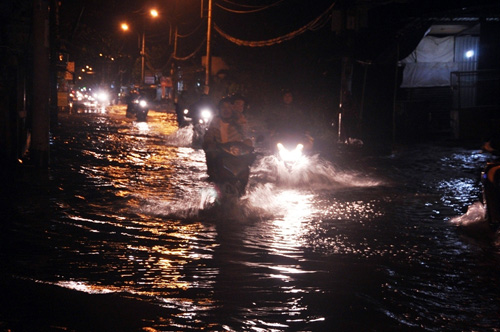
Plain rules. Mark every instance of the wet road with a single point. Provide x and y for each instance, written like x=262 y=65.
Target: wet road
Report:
x=122 y=235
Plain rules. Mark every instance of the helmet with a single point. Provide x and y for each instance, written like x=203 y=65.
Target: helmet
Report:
x=285 y=91
x=224 y=100
x=237 y=96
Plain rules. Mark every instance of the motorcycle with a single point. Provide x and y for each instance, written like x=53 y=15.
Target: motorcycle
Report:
x=138 y=107
x=233 y=170
x=200 y=122
x=292 y=150
x=199 y=115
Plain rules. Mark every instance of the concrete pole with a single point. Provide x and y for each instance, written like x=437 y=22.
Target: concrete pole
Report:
x=209 y=58
x=41 y=84
x=143 y=54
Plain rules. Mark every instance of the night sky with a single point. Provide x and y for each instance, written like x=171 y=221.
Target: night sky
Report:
x=248 y=20
x=309 y=61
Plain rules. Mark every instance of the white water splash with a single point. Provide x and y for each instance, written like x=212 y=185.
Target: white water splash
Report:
x=476 y=214
x=268 y=193
x=476 y=224
x=182 y=137
x=186 y=207
x=313 y=173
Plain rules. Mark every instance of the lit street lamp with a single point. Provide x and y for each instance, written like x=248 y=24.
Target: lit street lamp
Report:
x=125 y=27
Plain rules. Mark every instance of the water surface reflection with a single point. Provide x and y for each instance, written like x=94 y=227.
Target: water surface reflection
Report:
x=364 y=246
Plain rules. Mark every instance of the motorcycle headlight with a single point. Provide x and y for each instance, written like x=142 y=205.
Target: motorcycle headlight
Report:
x=290 y=155
x=206 y=115
x=186 y=111
x=143 y=103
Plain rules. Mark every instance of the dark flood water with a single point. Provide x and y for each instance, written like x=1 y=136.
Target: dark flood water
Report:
x=122 y=235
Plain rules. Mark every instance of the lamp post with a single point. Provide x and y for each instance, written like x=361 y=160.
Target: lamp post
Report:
x=143 y=54
x=154 y=14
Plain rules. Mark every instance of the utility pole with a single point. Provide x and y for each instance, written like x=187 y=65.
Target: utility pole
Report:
x=143 y=54
x=54 y=49
x=208 y=59
x=175 y=41
x=41 y=84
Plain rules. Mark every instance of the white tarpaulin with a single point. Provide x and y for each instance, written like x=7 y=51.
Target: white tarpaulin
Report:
x=427 y=74
x=430 y=63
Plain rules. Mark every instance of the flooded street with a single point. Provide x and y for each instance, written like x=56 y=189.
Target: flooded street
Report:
x=123 y=234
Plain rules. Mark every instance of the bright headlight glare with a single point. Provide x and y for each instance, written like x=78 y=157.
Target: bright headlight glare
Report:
x=143 y=103
x=290 y=156
x=102 y=96
x=186 y=111
x=206 y=114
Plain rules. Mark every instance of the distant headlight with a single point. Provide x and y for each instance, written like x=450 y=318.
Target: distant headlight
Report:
x=102 y=97
x=143 y=103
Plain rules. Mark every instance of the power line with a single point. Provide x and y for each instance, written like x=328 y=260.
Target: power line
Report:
x=192 y=54
x=192 y=32
x=248 y=11
x=242 y=5
x=313 y=25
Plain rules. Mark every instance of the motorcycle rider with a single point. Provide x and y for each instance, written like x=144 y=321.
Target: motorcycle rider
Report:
x=289 y=120
x=238 y=103
x=129 y=99
x=491 y=181
x=203 y=102
x=223 y=129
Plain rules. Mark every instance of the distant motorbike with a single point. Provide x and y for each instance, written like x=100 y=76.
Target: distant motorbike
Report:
x=200 y=125
x=200 y=117
x=233 y=170
x=138 y=107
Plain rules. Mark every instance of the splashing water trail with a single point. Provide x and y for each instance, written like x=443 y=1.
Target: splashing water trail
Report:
x=476 y=214
x=310 y=171
x=475 y=223
x=182 y=137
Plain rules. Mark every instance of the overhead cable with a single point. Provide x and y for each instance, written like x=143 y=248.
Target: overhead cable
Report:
x=242 y=5
x=319 y=25
x=192 y=32
x=248 y=11
x=192 y=54
x=310 y=26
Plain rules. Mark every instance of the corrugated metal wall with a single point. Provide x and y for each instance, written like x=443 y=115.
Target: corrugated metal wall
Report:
x=464 y=83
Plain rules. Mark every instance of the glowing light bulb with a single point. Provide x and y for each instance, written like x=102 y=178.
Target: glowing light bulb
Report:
x=469 y=54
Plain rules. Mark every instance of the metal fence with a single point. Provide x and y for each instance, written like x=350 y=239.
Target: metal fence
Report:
x=480 y=88
x=475 y=103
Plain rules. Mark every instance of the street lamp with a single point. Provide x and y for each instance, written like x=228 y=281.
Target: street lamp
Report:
x=125 y=27
x=154 y=14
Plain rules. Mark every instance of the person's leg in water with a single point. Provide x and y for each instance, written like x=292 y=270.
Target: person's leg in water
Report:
x=211 y=160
